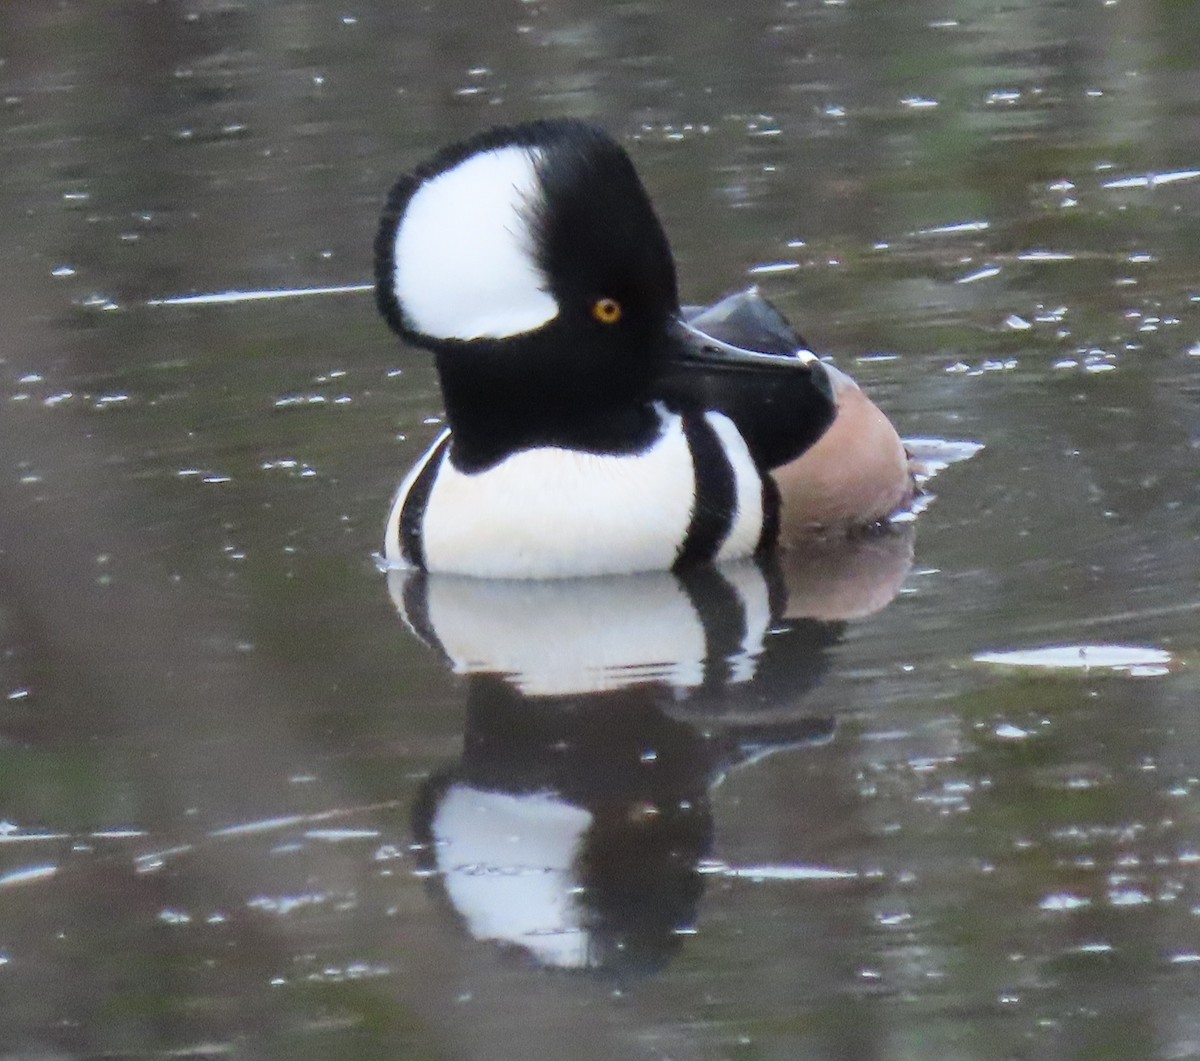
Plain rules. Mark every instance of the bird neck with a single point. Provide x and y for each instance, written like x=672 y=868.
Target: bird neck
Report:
x=494 y=415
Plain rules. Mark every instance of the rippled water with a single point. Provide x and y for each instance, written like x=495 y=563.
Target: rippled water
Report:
x=936 y=795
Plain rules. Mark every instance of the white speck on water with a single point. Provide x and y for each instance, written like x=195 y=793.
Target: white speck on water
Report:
x=980 y=274
x=1063 y=901
x=1174 y=176
x=153 y=861
x=264 y=825
x=768 y=268
x=891 y=920
x=174 y=917
x=1017 y=324
x=918 y=103
x=1051 y=316
x=27 y=875
x=62 y=270
x=1119 y=658
x=777 y=872
x=291 y=466
x=1007 y=731
x=1045 y=256
x=933 y=455
x=958 y=226
x=1153 y=180
x=1128 y=897
x=282 y=905
x=225 y=297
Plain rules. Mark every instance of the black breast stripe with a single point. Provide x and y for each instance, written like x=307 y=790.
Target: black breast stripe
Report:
x=412 y=515
x=715 y=502
x=769 y=534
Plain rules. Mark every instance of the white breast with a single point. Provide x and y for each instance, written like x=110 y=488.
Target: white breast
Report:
x=555 y=513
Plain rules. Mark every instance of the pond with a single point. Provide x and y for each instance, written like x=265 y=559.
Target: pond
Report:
x=934 y=793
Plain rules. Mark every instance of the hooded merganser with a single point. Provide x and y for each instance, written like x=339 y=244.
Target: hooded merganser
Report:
x=593 y=427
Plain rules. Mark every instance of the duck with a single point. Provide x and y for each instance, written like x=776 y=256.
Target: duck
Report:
x=593 y=425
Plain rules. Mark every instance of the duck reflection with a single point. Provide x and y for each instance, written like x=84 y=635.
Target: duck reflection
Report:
x=577 y=827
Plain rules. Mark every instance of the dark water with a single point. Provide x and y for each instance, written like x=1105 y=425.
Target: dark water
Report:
x=244 y=811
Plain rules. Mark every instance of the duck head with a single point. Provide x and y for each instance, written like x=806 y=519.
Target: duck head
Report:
x=530 y=260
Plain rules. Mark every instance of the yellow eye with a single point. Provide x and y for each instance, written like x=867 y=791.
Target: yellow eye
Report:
x=606 y=310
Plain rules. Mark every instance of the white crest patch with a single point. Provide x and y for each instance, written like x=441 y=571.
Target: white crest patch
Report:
x=559 y=513
x=464 y=253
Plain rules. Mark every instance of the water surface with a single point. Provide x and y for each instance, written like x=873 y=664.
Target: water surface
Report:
x=800 y=829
